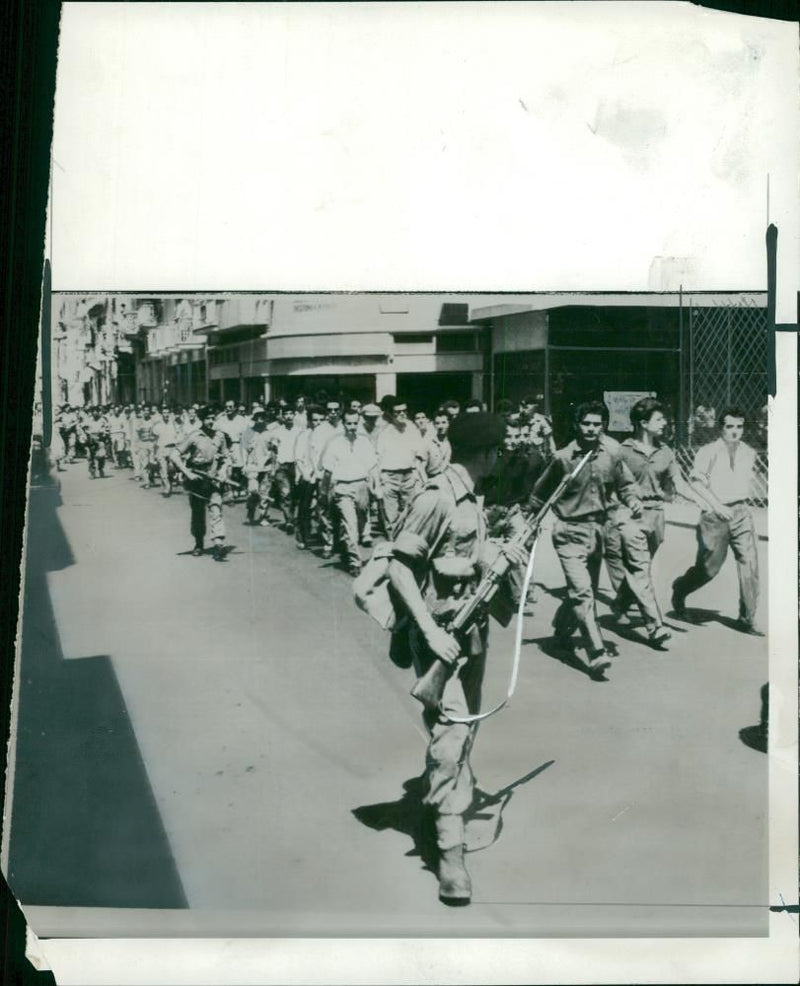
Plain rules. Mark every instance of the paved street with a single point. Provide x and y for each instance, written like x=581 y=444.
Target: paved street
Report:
x=234 y=737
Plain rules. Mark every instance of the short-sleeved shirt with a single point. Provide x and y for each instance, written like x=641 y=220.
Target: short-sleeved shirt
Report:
x=727 y=472
x=348 y=461
x=166 y=432
x=442 y=539
x=232 y=427
x=438 y=454
x=203 y=450
x=400 y=449
x=258 y=452
x=96 y=429
x=601 y=485
x=283 y=440
x=144 y=430
x=654 y=467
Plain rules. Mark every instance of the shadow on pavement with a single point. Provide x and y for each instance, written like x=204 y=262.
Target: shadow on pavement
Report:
x=483 y=821
x=756 y=736
x=85 y=827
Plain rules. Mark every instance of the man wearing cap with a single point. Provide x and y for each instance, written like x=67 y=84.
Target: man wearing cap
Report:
x=347 y=462
x=401 y=457
x=439 y=554
x=203 y=457
x=259 y=458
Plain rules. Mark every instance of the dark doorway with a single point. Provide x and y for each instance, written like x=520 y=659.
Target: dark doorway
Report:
x=427 y=391
x=582 y=375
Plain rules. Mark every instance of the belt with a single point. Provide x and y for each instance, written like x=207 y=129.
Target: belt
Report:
x=598 y=515
x=735 y=503
x=363 y=479
x=410 y=469
x=653 y=505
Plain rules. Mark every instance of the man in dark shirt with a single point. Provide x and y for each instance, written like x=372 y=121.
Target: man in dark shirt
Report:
x=582 y=514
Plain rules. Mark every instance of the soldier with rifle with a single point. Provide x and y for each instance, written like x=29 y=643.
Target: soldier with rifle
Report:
x=203 y=458
x=439 y=554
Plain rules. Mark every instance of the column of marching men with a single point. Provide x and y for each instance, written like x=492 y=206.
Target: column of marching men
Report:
x=336 y=475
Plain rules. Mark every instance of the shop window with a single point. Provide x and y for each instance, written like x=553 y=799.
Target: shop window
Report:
x=456 y=342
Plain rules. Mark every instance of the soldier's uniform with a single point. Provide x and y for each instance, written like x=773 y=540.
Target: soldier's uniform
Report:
x=349 y=464
x=442 y=539
x=209 y=454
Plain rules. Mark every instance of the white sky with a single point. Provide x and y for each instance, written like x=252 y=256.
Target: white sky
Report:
x=423 y=146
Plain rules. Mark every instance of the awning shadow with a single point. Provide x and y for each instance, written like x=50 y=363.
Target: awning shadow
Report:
x=85 y=826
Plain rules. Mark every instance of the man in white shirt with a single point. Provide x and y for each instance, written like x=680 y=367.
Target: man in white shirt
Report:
x=401 y=458
x=347 y=461
x=306 y=456
x=283 y=439
x=232 y=424
x=166 y=432
x=322 y=435
x=723 y=471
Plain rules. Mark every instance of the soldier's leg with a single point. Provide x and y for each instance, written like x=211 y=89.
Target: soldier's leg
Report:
x=197 y=505
x=745 y=549
x=713 y=536
x=216 y=525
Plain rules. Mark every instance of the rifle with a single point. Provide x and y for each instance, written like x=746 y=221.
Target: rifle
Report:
x=430 y=686
x=222 y=481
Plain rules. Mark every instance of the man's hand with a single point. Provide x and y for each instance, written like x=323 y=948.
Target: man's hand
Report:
x=443 y=644
x=517 y=554
x=636 y=510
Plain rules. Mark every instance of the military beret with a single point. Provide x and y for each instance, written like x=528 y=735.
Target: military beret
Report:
x=479 y=430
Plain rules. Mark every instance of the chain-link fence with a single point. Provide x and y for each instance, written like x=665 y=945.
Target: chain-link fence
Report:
x=727 y=367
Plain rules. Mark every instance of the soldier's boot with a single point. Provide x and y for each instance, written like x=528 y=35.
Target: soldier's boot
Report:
x=455 y=886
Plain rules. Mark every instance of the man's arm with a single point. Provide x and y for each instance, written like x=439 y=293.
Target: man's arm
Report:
x=627 y=487
x=699 y=482
x=444 y=645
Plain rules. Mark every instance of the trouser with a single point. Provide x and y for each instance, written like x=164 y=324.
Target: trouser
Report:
x=165 y=469
x=205 y=497
x=144 y=459
x=351 y=508
x=325 y=518
x=652 y=525
x=69 y=439
x=450 y=782
x=259 y=486
x=284 y=491
x=398 y=489
x=579 y=546
x=96 y=451
x=628 y=561
x=117 y=447
x=714 y=536
x=305 y=508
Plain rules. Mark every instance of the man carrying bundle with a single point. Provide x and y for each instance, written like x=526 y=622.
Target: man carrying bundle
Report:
x=439 y=555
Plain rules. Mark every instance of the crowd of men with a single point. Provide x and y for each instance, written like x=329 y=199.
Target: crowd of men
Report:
x=336 y=474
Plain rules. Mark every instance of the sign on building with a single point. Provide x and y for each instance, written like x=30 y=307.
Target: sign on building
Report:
x=619 y=404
